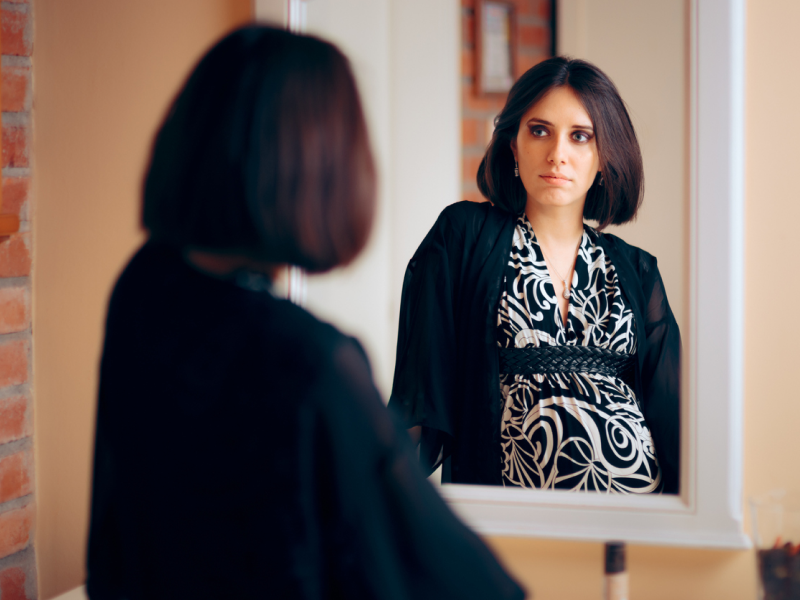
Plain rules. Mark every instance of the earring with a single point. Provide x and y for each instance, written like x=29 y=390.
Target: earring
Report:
x=516 y=169
x=601 y=181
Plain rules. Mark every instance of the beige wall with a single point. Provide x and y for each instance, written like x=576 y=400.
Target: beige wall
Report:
x=653 y=81
x=104 y=73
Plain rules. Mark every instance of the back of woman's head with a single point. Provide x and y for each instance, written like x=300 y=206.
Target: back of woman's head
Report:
x=265 y=152
x=614 y=201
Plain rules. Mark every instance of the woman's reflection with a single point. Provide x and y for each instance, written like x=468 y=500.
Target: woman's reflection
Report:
x=534 y=350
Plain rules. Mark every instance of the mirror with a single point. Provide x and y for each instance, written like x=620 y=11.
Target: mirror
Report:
x=406 y=54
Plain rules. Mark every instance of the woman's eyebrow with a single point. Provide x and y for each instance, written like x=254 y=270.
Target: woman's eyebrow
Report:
x=543 y=122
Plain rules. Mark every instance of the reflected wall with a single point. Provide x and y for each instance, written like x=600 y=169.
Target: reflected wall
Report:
x=644 y=48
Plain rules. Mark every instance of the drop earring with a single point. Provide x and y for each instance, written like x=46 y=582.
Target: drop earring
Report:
x=516 y=169
x=601 y=180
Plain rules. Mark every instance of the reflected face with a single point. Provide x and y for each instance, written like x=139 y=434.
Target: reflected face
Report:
x=556 y=151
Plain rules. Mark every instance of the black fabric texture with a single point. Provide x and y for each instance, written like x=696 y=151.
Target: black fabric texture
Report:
x=243 y=451
x=446 y=371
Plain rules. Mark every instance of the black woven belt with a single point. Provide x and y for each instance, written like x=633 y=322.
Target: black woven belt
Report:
x=567 y=359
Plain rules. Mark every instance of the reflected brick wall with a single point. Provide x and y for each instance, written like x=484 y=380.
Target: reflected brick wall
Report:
x=17 y=508
x=534 y=41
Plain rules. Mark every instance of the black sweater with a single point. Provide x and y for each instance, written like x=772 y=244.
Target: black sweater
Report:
x=242 y=451
x=446 y=372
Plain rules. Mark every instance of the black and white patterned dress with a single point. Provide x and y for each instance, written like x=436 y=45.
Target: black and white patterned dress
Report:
x=573 y=431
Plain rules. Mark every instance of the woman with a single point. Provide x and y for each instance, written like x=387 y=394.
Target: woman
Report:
x=534 y=350
x=242 y=449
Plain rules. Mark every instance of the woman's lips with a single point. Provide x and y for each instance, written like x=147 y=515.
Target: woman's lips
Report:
x=555 y=179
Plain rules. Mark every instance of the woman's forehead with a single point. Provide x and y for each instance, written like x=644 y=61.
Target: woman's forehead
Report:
x=560 y=104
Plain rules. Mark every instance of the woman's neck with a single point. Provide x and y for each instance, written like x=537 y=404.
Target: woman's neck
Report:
x=558 y=226
x=224 y=265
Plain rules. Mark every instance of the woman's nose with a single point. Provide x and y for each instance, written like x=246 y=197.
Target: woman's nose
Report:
x=558 y=151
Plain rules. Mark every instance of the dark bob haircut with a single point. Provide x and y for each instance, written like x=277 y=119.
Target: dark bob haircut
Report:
x=265 y=152
x=619 y=198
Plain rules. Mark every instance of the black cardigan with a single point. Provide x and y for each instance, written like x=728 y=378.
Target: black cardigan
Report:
x=446 y=373
x=243 y=451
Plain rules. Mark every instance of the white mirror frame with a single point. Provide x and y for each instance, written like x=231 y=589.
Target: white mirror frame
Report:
x=708 y=513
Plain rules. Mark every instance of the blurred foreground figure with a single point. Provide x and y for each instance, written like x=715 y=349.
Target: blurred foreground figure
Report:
x=242 y=449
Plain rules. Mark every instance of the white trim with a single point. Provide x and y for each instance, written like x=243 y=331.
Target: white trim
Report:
x=709 y=511
x=297 y=16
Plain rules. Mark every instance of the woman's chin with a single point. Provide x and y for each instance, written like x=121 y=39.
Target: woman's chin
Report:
x=552 y=200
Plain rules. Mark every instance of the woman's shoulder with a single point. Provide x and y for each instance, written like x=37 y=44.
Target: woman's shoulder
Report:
x=338 y=379
x=466 y=212
x=301 y=331
x=465 y=221
x=640 y=260
x=236 y=307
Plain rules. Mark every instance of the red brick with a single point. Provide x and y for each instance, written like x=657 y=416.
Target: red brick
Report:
x=538 y=8
x=16 y=527
x=12 y=584
x=15 y=194
x=468 y=3
x=17 y=32
x=469 y=133
x=16 y=478
x=15 y=311
x=15 y=255
x=16 y=88
x=467 y=63
x=525 y=7
x=526 y=61
x=14 y=424
x=15 y=146
x=534 y=35
x=468 y=29
x=13 y=363
x=469 y=167
x=491 y=105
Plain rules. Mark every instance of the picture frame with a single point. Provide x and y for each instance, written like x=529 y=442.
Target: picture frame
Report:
x=495 y=47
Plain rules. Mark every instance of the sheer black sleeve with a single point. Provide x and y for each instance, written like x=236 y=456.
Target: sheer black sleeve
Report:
x=425 y=368
x=394 y=537
x=661 y=375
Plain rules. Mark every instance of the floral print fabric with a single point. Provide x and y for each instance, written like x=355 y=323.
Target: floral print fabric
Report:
x=574 y=431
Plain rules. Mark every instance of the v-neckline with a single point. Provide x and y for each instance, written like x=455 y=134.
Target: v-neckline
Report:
x=563 y=323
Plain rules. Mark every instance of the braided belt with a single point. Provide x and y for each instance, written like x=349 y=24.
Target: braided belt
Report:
x=567 y=359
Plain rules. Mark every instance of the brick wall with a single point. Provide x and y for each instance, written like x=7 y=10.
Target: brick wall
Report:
x=533 y=22
x=17 y=508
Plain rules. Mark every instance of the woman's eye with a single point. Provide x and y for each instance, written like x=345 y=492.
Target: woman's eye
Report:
x=538 y=131
x=580 y=136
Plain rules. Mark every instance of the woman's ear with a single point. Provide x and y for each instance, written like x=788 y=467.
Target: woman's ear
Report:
x=513 y=145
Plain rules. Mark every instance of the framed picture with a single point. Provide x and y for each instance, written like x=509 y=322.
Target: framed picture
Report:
x=495 y=46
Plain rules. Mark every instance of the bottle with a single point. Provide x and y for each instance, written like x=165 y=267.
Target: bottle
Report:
x=615 y=586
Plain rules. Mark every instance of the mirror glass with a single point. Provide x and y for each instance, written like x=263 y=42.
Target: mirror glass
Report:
x=643 y=47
